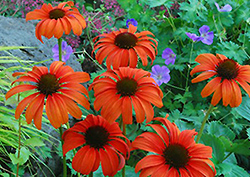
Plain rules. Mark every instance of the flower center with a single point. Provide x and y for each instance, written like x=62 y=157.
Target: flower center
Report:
x=227 y=69
x=48 y=84
x=125 y=40
x=56 y=13
x=126 y=86
x=96 y=136
x=159 y=77
x=176 y=156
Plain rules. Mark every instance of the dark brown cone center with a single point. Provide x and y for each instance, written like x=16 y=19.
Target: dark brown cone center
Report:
x=56 y=13
x=48 y=84
x=126 y=40
x=96 y=136
x=227 y=69
x=126 y=87
x=176 y=156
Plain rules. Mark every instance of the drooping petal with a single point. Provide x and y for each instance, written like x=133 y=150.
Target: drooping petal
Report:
x=72 y=140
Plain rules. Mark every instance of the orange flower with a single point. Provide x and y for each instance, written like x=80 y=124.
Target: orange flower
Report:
x=59 y=87
x=224 y=85
x=116 y=91
x=101 y=143
x=122 y=47
x=56 y=20
x=177 y=154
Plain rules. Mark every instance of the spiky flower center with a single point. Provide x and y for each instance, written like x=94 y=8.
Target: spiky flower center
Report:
x=126 y=86
x=126 y=40
x=48 y=84
x=176 y=156
x=56 y=13
x=227 y=69
x=96 y=136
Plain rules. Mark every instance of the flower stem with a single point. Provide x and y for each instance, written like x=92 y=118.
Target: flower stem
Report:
x=189 y=65
x=60 y=48
x=64 y=157
x=204 y=122
x=91 y=174
x=19 y=144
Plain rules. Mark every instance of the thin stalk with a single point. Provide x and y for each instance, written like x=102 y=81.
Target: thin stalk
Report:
x=189 y=63
x=64 y=157
x=204 y=122
x=19 y=144
x=60 y=48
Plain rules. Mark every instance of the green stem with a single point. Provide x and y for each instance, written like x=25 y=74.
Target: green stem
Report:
x=189 y=66
x=204 y=122
x=19 y=144
x=64 y=157
x=60 y=48
x=91 y=174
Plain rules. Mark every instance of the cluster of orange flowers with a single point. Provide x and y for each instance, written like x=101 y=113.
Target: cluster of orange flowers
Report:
x=118 y=92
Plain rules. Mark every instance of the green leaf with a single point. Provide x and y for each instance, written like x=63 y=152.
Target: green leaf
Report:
x=236 y=172
x=34 y=141
x=218 y=129
x=223 y=168
x=24 y=156
x=216 y=144
x=153 y=3
x=13 y=47
x=244 y=108
x=248 y=133
x=240 y=147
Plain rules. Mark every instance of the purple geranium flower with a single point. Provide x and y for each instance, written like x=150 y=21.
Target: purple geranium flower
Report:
x=169 y=55
x=160 y=74
x=207 y=37
x=66 y=51
x=131 y=21
x=226 y=8
x=194 y=37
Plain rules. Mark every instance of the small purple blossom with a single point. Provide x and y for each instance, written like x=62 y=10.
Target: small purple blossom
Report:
x=66 y=51
x=193 y=37
x=131 y=21
x=160 y=74
x=169 y=55
x=207 y=36
x=226 y=8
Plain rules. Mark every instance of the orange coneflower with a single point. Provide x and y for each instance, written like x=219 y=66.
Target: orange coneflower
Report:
x=59 y=87
x=176 y=153
x=102 y=142
x=56 y=20
x=122 y=47
x=116 y=91
x=228 y=75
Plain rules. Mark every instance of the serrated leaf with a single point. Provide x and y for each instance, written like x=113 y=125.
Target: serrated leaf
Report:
x=34 y=141
x=216 y=144
x=244 y=108
x=218 y=129
x=240 y=147
x=223 y=168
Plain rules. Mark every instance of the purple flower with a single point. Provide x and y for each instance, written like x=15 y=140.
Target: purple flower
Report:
x=66 y=51
x=160 y=74
x=226 y=8
x=131 y=21
x=207 y=37
x=194 y=37
x=169 y=55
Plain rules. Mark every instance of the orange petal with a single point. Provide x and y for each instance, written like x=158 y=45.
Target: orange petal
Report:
x=59 y=29
x=66 y=25
x=210 y=87
x=207 y=59
x=244 y=85
x=203 y=76
x=36 y=14
x=149 y=161
x=236 y=96
x=139 y=111
x=161 y=132
x=50 y=28
x=139 y=50
x=133 y=59
x=76 y=26
x=227 y=91
x=75 y=77
x=126 y=110
x=18 y=89
x=216 y=96
x=200 y=151
x=132 y=28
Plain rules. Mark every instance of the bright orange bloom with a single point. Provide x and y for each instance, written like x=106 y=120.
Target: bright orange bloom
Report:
x=101 y=143
x=56 y=20
x=122 y=47
x=228 y=75
x=116 y=91
x=59 y=87
x=177 y=154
